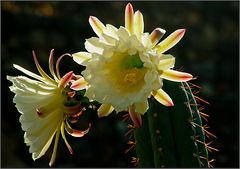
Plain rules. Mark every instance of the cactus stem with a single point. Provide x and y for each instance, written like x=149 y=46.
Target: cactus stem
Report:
x=157 y=131
x=155 y=115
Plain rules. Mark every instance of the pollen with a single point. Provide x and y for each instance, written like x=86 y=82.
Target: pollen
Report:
x=131 y=77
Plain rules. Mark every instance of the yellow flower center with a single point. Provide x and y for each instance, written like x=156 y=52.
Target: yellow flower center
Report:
x=126 y=72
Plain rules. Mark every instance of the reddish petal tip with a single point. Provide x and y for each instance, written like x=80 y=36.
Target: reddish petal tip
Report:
x=170 y=104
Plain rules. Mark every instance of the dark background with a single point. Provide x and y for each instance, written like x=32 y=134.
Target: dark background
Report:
x=208 y=50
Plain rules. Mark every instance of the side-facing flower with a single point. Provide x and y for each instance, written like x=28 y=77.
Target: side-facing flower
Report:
x=42 y=102
x=125 y=66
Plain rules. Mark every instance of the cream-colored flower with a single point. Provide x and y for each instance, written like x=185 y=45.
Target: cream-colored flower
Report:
x=124 y=66
x=42 y=104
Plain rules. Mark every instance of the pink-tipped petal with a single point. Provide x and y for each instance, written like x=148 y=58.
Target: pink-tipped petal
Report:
x=65 y=139
x=138 y=24
x=65 y=79
x=166 y=62
x=170 y=41
x=156 y=35
x=79 y=84
x=74 y=132
x=176 y=76
x=53 y=157
x=96 y=25
x=105 y=110
x=162 y=97
x=135 y=116
x=129 y=17
x=40 y=70
x=51 y=67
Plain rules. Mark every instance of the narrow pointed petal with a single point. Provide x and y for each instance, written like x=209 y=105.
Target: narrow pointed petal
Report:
x=41 y=71
x=53 y=157
x=65 y=79
x=65 y=139
x=129 y=18
x=51 y=67
x=170 y=41
x=135 y=116
x=105 y=110
x=156 y=35
x=96 y=25
x=166 y=62
x=27 y=72
x=79 y=84
x=162 y=97
x=75 y=133
x=138 y=23
x=176 y=76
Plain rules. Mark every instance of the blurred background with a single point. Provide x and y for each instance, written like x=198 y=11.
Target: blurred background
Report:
x=209 y=50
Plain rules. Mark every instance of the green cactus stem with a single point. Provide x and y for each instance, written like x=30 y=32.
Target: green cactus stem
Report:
x=172 y=136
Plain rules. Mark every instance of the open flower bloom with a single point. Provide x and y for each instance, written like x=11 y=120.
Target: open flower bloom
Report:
x=42 y=104
x=125 y=66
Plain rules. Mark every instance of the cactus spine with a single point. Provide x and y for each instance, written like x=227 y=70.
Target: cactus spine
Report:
x=172 y=136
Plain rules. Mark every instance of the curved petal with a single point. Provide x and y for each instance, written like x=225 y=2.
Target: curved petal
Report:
x=81 y=57
x=170 y=41
x=135 y=116
x=65 y=79
x=129 y=18
x=96 y=25
x=138 y=24
x=156 y=35
x=41 y=71
x=176 y=76
x=74 y=132
x=27 y=72
x=65 y=139
x=166 y=62
x=162 y=97
x=79 y=84
x=50 y=64
x=105 y=110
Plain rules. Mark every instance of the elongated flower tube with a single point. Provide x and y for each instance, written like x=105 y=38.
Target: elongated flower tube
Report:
x=125 y=66
x=42 y=102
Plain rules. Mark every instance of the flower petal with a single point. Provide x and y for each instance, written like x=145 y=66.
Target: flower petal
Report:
x=27 y=72
x=65 y=139
x=41 y=71
x=129 y=18
x=79 y=84
x=156 y=35
x=166 y=62
x=54 y=153
x=141 y=107
x=176 y=76
x=138 y=24
x=81 y=57
x=162 y=97
x=105 y=110
x=96 y=25
x=65 y=79
x=51 y=67
x=170 y=41
x=75 y=133
x=135 y=116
